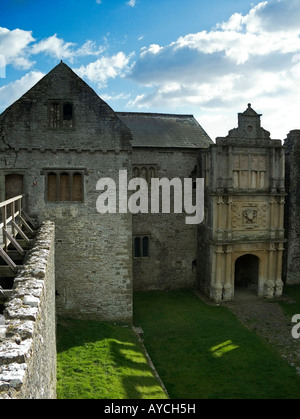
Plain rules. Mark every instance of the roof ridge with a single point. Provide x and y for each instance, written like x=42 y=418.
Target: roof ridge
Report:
x=156 y=114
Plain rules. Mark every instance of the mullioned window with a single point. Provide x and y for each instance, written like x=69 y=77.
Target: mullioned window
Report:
x=61 y=115
x=64 y=185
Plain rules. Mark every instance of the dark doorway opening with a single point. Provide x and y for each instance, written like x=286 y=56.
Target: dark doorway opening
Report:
x=246 y=272
x=13 y=185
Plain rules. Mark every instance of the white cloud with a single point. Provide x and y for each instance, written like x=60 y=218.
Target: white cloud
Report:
x=274 y=16
x=14 y=46
x=249 y=58
x=235 y=23
x=61 y=49
x=252 y=57
x=131 y=3
x=117 y=97
x=105 y=68
x=55 y=47
x=153 y=49
x=13 y=91
x=18 y=48
x=89 y=48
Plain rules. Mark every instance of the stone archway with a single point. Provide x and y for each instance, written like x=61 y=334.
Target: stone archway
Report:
x=246 y=272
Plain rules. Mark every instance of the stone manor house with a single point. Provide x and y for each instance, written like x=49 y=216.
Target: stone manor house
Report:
x=60 y=138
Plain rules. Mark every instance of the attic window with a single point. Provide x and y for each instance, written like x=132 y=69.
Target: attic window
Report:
x=67 y=112
x=61 y=115
x=54 y=119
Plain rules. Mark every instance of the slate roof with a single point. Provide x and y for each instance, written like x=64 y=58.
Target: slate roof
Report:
x=165 y=130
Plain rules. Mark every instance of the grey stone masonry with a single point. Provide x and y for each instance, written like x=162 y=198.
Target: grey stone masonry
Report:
x=60 y=138
x=28 y=326
x=292 y=214
x=172 y=242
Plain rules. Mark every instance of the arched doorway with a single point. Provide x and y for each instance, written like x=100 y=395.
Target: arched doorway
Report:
x=246 y=272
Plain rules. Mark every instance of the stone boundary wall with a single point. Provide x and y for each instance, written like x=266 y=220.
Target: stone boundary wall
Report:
x=28 y=326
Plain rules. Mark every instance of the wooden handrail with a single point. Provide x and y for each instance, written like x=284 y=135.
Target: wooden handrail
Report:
x=14 y=220
x=9 y=201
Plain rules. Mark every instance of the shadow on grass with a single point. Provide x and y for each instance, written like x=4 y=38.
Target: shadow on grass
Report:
x=204 y=352
x=102 y=361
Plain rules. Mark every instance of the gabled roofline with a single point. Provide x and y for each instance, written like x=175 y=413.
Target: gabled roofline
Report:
x=175 y=115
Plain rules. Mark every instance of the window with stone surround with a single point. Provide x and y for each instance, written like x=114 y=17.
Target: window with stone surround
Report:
x=64 y=185
x=141 y=245
x=249 y=171
x=145 y=171
x=61 y=114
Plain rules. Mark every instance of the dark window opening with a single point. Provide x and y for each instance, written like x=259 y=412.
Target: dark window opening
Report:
x=137 y=247
x=67 y=112
x=141 y=246
x=145 y=246
x=61 y=115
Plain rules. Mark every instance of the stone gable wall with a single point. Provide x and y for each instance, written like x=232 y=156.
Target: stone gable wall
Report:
x=25 y=124
x=94 y=253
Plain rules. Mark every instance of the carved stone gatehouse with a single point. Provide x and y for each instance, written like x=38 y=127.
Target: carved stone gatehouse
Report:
x=242 y=240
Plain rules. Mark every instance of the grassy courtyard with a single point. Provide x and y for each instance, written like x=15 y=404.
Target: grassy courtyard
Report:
x=199 y=351
x=203 y=352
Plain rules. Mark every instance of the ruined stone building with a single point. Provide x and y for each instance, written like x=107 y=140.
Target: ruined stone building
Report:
x=60 y=138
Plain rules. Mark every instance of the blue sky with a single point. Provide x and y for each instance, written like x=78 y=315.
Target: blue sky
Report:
x=199 y=57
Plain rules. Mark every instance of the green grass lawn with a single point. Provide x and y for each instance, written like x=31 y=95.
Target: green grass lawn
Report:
x=292 y=291
x=200 y=352
x=204 y=352
x=98 y=360
x=292 y=307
